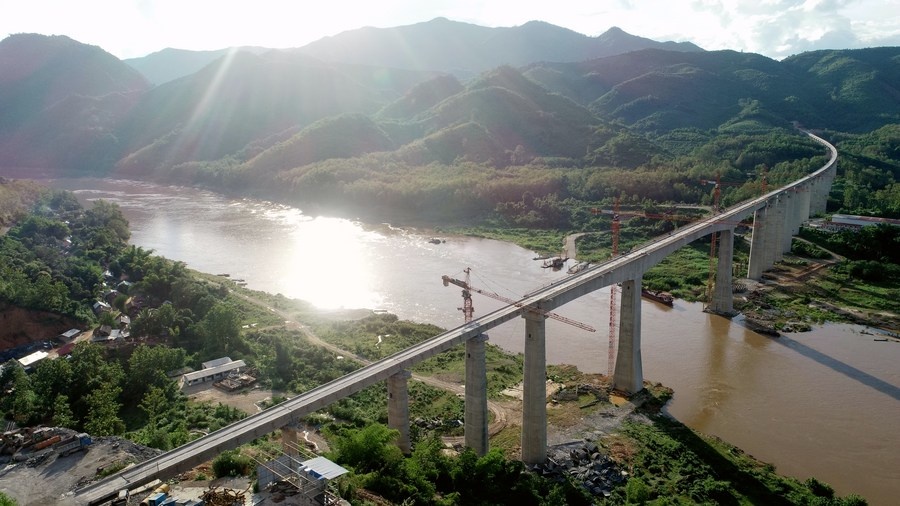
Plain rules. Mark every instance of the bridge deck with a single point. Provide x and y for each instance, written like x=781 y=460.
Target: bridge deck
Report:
x=616 y=270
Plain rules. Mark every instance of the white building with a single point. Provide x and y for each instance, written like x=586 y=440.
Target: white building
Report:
x=30 y=361
x=214 y=370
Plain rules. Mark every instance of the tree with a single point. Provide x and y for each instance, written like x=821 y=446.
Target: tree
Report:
x=147 y=368
x=6 y=500
x=155 y=405
x=369 y=449
x=52 y=378
x=91 y=372
x=222 y=327
x=62 y=412
x=103 y=412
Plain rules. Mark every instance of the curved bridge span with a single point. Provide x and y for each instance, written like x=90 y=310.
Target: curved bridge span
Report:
x=777 y=216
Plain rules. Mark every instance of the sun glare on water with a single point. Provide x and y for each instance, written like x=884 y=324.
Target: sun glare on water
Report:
x=332 y=267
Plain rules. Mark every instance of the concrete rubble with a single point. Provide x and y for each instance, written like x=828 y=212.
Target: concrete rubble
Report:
x=582 y=463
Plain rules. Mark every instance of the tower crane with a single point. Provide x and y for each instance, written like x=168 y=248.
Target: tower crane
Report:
x=613 y=289
x=468 y=309
x=714 y=237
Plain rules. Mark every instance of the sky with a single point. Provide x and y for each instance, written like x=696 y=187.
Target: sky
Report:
x=775 y=28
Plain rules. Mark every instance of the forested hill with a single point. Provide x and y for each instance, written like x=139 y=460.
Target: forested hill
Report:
x=292 y=125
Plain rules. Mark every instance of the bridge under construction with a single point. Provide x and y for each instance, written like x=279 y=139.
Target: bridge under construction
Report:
x=777 y=216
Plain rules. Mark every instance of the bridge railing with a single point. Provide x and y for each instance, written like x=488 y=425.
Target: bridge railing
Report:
x=550 y=297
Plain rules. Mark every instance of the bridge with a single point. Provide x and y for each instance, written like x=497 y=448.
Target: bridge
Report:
x=777 y=215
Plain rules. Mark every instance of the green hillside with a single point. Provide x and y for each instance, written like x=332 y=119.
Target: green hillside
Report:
x=337 y=134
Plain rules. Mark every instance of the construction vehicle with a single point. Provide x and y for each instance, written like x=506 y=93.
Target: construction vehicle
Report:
x=40 y=445
x=72 y=444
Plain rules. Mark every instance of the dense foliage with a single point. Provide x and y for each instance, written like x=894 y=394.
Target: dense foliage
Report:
x=674 y=465
x=870 y=170
x=429 y=476
x=52 y=259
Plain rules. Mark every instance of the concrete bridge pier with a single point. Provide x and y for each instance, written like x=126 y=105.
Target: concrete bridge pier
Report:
x=629 y=373
x=790 y=222
x=757 y=262
x=805 y=202
x=818 y=194
x=534 y=390
x=398 y=407
x=290 y=440
x=476 y=410
x=793 y=218
x=823 y=185
x=772 y=234
x=780 y=228
x=723 y=294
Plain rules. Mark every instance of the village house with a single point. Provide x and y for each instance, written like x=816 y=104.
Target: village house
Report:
x=214 y=370
x=101 y=307
x=69 y=335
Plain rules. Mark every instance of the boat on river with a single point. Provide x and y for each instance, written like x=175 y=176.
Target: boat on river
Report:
x=661 y=297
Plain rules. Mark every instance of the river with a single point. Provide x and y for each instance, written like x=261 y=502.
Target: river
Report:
x=823 y=403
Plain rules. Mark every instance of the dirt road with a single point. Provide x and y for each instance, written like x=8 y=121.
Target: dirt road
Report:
x=501 y=415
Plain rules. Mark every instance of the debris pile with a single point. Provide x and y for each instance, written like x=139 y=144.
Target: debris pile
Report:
x=224 y=497
x=573 y=393
x=282 y=489
x=586 y=465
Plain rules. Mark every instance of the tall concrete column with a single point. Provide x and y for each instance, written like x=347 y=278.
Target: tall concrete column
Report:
x=757 y=264
x=398 y=407
x=790 y=218
x=780 y=229
x=476 y=395
x=534 y=394
x=805 y=201
x=815 y=195
x=796 y=214
x=723 y=298
x=629 y=373
x=772 y=237
x=289 y=440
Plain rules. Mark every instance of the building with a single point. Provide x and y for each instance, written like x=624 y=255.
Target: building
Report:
x=101 y=307
x=311 y=478
x=215 y=363
x=851 y=221
x=69 y=335
x=29 y=361
x=212 y=371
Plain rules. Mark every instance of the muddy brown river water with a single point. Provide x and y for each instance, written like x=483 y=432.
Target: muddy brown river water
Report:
x=824 y=403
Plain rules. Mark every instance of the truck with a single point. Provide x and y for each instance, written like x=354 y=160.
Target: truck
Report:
x=73 y=444
x=40 y=445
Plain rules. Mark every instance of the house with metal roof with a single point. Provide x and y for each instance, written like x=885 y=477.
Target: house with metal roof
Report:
x=30 y=361
x=212 y=374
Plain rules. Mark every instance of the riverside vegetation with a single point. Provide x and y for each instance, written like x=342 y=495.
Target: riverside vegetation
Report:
x=127 y=392
x=518 y=153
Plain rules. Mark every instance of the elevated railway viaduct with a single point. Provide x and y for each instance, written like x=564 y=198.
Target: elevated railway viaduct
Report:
x=777 y=215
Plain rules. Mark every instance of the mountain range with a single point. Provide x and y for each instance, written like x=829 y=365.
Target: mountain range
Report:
x=496 y=96
x=462 y=49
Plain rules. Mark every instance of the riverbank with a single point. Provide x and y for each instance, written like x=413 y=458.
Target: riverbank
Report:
x=799 y=293
x=643 y=445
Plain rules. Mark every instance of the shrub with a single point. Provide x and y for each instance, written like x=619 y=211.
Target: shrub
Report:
x=231 y=463
x=637 y=491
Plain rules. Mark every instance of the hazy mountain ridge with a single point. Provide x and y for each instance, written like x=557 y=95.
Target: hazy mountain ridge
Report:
x=169 y=64
x=438 y=45
x=235 y=110
x=62 y=102
x=465 y=49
